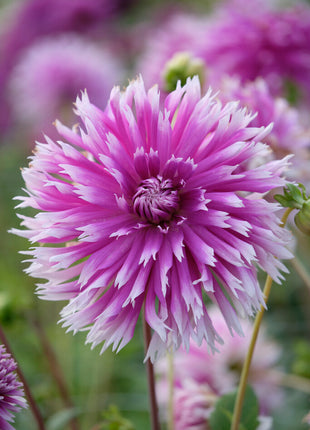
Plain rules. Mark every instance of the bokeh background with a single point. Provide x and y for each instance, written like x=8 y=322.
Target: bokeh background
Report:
x=50 y=50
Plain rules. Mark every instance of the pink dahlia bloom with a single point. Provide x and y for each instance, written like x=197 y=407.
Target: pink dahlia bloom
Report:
x=151 y=209
x=221 y=371
x=53 y=71
x=193 y=404
x=11 y=391
x=288 y=135
x=258 y=41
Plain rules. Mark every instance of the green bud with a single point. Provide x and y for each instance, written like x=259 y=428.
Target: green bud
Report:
x=302 y=218
x=180 y=67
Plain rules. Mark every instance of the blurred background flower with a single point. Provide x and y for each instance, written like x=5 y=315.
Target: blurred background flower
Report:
x=52 y=73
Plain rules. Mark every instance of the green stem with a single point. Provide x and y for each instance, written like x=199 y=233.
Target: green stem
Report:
x=301 y=271
x=248 y=359
x=171 y=391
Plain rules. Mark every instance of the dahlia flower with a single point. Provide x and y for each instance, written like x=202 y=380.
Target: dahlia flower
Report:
x=11 y=392
x=258 y=41
x=221 y=371
x=151 y=209
x=288 y=135
x=193 y=404
x=53 y=71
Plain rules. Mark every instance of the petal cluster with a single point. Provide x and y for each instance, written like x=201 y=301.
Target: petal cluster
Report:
x=11 y=392
x=150 y=203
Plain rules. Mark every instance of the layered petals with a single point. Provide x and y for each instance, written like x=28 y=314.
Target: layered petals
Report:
x=155 y=207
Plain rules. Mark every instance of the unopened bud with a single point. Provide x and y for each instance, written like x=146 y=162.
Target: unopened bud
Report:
x=302 y=218
x=182 y=66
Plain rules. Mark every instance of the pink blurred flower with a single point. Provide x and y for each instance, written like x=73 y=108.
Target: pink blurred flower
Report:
x=193 y=404
x=153 y=211
x=288 y=136
x=50 y=75
x=242 y=39
x=31 y=20
x=221 y=371
x=11 y=391
x=257 y=41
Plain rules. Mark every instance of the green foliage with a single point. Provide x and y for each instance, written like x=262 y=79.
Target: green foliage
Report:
x=114 y=421
x=301 y=365
x=221 y=417
x=292 y=92
x=294 y=196
x=61 y=419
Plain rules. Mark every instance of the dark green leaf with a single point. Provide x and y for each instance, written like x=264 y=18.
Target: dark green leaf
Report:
x=221 y=417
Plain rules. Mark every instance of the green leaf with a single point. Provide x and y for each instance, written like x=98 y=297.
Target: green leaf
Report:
x=221 y=417
x=114 y=421
x=61 y=419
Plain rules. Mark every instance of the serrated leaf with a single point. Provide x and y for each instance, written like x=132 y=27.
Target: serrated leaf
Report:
x=283 y=200
x=295 y=192
x=221 y=417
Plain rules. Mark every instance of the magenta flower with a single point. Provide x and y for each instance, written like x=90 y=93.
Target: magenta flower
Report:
x=151 y=209
x=53 y=71
x=259 y=41
x=11 y=391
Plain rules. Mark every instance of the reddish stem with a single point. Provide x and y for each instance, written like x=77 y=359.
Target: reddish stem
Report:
x=33 y=406
x=151 y=378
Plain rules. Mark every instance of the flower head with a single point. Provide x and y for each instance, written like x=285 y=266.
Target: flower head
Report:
x=259 y=41
x=288 y=135
x=11 y=392
x=53 y=71
x=221 y=371
x=151 y=208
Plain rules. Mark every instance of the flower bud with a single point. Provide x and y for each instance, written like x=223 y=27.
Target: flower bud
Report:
x=302 y=218
x=181 y=66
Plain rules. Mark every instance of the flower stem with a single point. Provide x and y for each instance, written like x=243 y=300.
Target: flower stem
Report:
x=171 y=391
x=33 y=406
x=248 y=359
x=151 y=378
x=301 y=271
